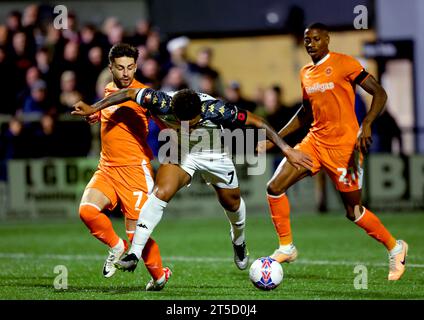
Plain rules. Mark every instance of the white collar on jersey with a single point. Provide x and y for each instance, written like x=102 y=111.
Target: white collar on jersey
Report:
x=323 y=59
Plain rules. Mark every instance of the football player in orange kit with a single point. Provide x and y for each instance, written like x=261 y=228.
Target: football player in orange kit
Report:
x=335 y=142
x=124 y=174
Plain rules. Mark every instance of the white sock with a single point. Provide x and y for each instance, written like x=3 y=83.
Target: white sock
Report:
x=237 y=221
x=397 y=249
x=150 y=215
x=287 y=248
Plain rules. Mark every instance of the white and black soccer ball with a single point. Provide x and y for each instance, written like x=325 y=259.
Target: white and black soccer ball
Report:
x=266 y=273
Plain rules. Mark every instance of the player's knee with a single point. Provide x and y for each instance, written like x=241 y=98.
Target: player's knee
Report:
x=231 y=205
x=275 y=189
x=163 y=194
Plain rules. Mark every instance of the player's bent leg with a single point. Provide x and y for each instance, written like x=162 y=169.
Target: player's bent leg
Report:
x=371 y=224
x=100 y=226
x=169 y=179
x=285 y=176
x=153 y=260
x=235 y=209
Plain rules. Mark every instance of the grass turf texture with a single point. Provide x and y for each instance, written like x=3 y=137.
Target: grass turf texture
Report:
x=199 y=252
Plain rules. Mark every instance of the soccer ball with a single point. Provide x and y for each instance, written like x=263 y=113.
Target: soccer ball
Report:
x=266 y=273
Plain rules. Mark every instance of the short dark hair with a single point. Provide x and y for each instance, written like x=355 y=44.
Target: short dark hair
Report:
x=319 y=26
x=186 y=104
x=122 y=50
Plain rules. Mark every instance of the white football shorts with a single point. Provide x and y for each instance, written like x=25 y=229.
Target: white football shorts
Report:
x=216 y=168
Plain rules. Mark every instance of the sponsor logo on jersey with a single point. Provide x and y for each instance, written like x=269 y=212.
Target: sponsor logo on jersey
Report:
x=319 y=87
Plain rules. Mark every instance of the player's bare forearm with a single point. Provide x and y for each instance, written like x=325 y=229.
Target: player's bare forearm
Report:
x=116 y=98
x=271 y=134
x=379 y=99
x=296 y=157
x=83 y=109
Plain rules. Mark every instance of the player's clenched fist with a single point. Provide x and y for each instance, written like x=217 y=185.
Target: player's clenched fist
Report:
x=82 y=109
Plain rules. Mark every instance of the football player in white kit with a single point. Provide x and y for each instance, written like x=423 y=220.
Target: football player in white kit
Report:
x=196 y=111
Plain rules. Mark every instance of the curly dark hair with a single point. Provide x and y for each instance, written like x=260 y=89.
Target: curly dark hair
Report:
x=186 y=104
x=122 y=50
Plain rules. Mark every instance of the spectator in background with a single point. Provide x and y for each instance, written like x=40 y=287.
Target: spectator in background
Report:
x=116 y=34
x=150 y=74
x=234 y=95
x=21 y=57
x=32 y=75
x=174 y=80
x=15 y=140
x=94 y=67
x=47 y=138
x=37 y=103
x=7 y=85
x=30 y=17
x=385 y=131
x=203 y=67
x=177 y=49
x=55 y=43
x=207 y=84
x=155 y=48
x=277 y=113
x=30 y=27
x=142 y=30
x=71 y=59
x=71 y=33
x=69 y=94
x=89 y=38
x=13 y=22
x=3 y=36
x=109 y=24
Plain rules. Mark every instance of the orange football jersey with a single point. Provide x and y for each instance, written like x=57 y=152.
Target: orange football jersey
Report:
x=124 y=130
x=329 y=86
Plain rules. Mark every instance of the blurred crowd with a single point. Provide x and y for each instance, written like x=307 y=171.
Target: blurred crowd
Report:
x=45 y=70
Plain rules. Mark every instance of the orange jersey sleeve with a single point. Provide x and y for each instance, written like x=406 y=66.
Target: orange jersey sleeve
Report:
x=329 y=85
x=124 y=130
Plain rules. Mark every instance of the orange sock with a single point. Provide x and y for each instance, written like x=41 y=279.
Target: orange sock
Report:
x=152 y=259
x=99 y=224
x=280 y=215
x=374 y=228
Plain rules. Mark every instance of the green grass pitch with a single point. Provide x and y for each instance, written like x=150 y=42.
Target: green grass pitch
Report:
x=199 y=252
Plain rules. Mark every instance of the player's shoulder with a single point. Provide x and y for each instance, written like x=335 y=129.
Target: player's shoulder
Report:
x=343 y=58
x=138 y=85
x=305 y=69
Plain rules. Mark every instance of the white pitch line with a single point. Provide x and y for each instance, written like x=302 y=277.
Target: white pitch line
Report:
x=80 y=257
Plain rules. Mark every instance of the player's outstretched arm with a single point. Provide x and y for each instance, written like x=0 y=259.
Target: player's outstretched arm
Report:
x=379 y=99
x=302 y=118
x=295 y=157
x=83 y=109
